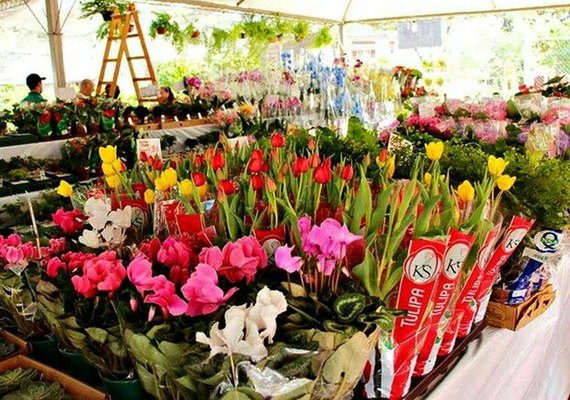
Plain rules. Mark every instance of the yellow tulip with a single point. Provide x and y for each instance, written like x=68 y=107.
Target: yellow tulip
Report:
x=108 y=154
x=391 y=167
x=466 y=192
x=427 y=178
x=170 y=176
x=64 y=189
x=203 y=190
x=496 y=165
x=434 y=150
x=186 y=187
x=113 y=181
x=505 y=182
x=149 y=196
x=111 y=168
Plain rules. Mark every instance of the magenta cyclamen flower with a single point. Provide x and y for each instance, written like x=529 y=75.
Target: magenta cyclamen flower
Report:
x=284 y=259
x=327 y=242
x=203 y=293
x=139 y=272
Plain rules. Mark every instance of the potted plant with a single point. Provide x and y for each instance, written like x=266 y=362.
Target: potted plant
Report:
x=323 y=37
x=162 y=24
x=103 y=7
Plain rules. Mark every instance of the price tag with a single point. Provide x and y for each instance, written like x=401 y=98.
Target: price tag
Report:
x=151 y=147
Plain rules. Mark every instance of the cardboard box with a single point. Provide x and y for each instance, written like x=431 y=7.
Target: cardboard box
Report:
x=22 y=347
x=515 y=317
x=76 y=389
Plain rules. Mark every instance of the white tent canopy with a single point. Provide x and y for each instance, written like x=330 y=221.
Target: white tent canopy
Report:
x=346 y=11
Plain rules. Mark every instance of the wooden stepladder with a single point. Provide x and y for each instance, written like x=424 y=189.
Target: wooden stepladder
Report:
x=123 y=27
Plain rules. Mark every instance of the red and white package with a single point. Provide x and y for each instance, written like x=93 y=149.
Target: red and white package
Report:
x=398 y=355
x=458 y=247
x=514 y=235
x=464 y=305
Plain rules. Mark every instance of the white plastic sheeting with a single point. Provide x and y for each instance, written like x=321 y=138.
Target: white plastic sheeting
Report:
x=344 y=11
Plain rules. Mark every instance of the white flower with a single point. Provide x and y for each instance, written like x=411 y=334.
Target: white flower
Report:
x=269 y=304
x=90 y=238
x=261 y=316
x=121 y=218
x=98 y=212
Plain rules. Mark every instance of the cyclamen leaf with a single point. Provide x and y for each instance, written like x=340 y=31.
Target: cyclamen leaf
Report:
x=367 y=271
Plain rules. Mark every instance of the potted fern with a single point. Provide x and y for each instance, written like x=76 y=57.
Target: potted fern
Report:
x=103 y=7
x=162 y=25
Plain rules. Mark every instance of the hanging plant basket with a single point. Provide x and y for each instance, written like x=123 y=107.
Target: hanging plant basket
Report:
x=161 y=30
x=195 y=35
x=107 y=15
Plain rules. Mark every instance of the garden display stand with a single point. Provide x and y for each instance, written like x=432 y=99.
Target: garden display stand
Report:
x=122 y=27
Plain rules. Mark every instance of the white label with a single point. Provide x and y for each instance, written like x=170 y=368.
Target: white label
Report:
x=453 y=260
x=151 y=147
x=422 y=268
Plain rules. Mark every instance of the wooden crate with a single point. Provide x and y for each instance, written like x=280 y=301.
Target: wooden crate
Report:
x=517 y=316
x=22 y=347
x=76 y=389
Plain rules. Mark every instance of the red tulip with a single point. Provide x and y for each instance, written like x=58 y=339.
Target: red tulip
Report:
x=143 y=157
x=227 y=187
x=199 y=161
x=312 y=145
x=219 y=161
x=347 y=172
x=257 y=182
x=173 y=164
x=322 y=173
x=300 y=166
x=255 y=165
x=277 y=140
x=314 y=161
x=271 y=186
x=198 y=178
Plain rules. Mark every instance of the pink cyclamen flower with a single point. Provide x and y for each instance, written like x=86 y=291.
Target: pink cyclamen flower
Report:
x=53 y=266
x=176 y=255
x=203 y=293
x=284 y=259
x=139 y=272
x=163 y=294
x=70 y=222
x=212 y=256
x=103 y=273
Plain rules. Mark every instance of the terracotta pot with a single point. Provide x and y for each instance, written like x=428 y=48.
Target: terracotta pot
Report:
x=161 y=30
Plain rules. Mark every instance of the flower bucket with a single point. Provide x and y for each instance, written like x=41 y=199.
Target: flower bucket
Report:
x=273 y=234
x=45 y=350
x=78 y=367
x=124 y=389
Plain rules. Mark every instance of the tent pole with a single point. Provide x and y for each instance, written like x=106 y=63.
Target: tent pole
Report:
x=55 y=43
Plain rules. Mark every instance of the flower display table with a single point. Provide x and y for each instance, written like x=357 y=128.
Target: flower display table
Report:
x=532 y=363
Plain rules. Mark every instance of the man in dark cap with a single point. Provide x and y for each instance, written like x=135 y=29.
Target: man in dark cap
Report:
x=34 y=82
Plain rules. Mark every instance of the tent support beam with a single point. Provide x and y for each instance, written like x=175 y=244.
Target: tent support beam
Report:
x=55 y=43
x=222 y=7
x=453 y=14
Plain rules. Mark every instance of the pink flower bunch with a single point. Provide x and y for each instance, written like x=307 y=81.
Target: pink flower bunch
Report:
x=70 y=222
x=326 y=242
x=103 y=273
x=432 y=125
x=292 y=102
x=203 y=293
x=157 y=290
x=14 y=253
x=178 y=257
x=495 y=109
x=273 y=101
x=70 y=262
x=557 y=114
x=193 y=82
x=238 y=260
x=490 y=131
x=56 y=247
